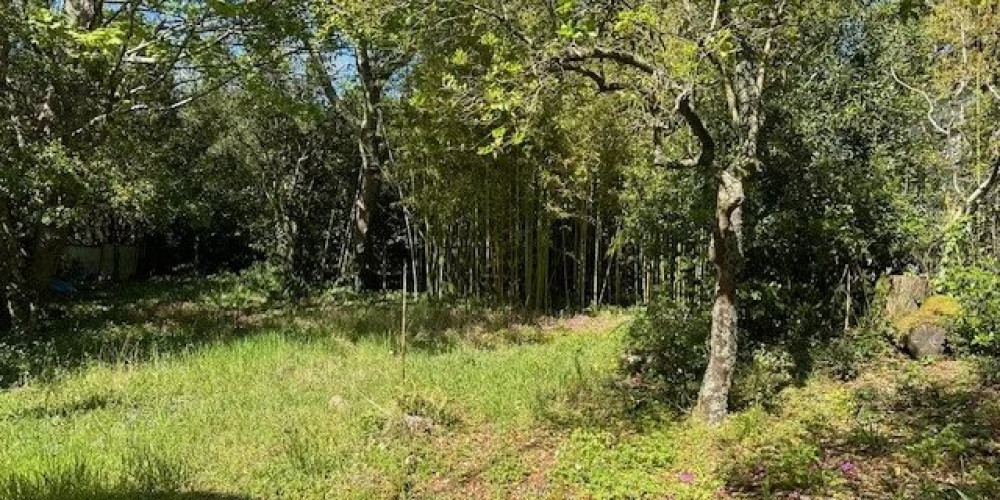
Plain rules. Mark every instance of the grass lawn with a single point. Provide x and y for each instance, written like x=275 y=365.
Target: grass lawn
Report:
x=207 y=390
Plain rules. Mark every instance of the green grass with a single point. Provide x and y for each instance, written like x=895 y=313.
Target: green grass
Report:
x=302 y=403
x=209 y=390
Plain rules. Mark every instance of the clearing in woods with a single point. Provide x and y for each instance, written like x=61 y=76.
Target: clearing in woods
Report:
x=207 y=390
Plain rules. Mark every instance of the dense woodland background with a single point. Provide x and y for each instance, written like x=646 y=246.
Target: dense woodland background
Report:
x=762 y=160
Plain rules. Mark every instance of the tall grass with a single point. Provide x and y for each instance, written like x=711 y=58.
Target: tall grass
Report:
x=212 y=390
x=215 y=390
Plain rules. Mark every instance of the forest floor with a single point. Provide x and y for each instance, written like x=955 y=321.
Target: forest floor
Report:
x=205 y=389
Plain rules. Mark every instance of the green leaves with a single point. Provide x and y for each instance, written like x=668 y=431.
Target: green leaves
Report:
x=104 y=41
x=460 y=57
x=722 y=43
x=565 y=7
x=578 y=29
x=632 y=21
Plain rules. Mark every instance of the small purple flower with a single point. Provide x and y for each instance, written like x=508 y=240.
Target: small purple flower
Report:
x=686 y=477
x=848 y=469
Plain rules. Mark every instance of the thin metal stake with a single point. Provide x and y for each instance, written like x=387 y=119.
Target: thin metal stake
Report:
x=402 y=333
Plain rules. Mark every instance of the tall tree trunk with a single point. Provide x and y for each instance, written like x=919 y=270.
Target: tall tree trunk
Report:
x=374 y=154
x=726 y=254
x=744 y=89
x=366 y=208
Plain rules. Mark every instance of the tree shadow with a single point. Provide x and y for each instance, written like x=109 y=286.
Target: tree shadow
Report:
x=914 y=432
x=129 y=326
x=68 y=409
x=928 y=434
x=432 y=326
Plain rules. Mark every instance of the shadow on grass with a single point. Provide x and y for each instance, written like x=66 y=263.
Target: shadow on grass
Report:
x=45 y=411
x=910 y=430
x=933 y=434
x=918 y=432
x=133 y=324
x=431 y=325
x=599 y=401
x=143 y=321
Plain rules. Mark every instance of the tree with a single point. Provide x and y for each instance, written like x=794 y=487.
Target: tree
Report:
x=268 y=163
x=72 y=78
x=956 y=77
x=703 y=66
x=372 y=37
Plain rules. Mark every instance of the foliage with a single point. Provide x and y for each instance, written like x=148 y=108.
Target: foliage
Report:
x=760 y=380
x=977 y=289
x=846 y=356
x=608 y=468
x=666 y=351
x=293 y=171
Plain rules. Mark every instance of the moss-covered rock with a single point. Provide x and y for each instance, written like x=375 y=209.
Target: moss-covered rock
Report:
x=924 y=332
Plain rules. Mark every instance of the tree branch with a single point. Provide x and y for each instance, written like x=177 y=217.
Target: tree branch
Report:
x=706 y=157
x=625 y=58
x=927 y=97
x=603 y=85
x=974 y=200
x=993 y=90
x=322 y=78
x=502 y=19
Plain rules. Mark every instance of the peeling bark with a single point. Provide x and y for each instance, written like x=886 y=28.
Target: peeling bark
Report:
x=726 y=255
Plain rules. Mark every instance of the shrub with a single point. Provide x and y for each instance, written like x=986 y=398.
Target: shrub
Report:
x=843 y=357
x=977 y=288
x=759 y=380
x=667 y=351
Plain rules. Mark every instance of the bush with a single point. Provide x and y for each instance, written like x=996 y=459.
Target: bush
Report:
x=668 y=352
x=977 y=289
x=759 y=380
x=843 y=357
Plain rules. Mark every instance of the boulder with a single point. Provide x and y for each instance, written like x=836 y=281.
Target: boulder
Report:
x=927 y=340
x=906 y=293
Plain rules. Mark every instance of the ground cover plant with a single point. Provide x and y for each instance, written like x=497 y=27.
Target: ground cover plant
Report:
x=310 y=402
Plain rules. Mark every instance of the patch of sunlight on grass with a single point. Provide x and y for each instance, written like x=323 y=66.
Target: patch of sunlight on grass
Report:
x=276 y=414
